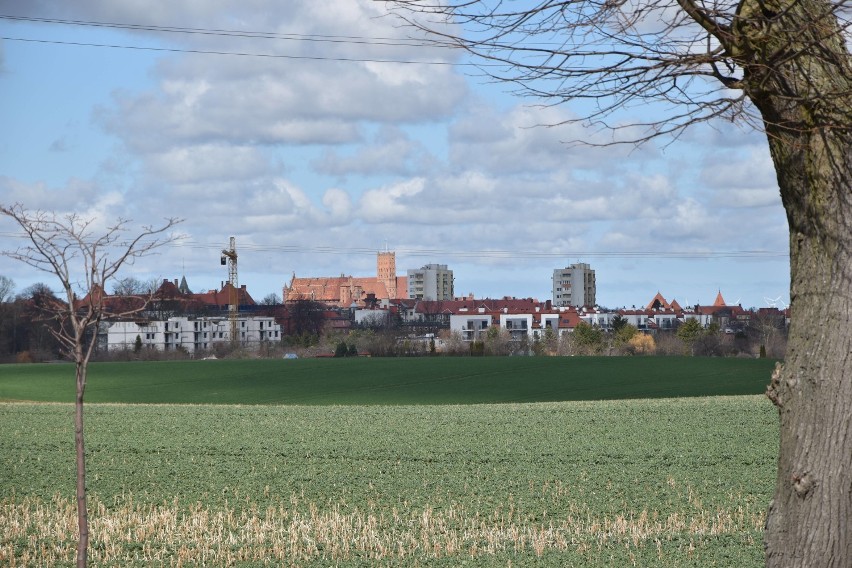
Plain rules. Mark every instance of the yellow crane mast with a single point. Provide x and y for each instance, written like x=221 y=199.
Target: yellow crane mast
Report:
x=229 y=257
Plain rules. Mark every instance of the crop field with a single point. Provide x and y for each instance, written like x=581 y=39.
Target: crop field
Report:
x=360 y=381
x=653 y=482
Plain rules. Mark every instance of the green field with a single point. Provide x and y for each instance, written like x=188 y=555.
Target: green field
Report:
x=441 y=380
x=653 y=482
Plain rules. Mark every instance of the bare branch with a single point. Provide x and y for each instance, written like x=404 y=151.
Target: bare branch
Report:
x=608 y=56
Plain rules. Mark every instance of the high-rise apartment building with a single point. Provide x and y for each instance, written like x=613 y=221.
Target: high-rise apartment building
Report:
x=432 y=282
x=574 y=286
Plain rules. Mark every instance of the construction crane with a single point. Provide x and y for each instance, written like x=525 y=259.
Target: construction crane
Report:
x=229 y=257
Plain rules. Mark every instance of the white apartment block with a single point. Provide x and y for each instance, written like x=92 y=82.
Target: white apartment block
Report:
x=431 y=282
x=192 y=334
x=574 y=286
x=474 y=326
x=471 y=326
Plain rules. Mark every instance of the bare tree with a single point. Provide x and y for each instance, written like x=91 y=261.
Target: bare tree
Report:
x=780 y=65
x=68 y=248
x=272 y=299
x=7 y=289
x=130 y=286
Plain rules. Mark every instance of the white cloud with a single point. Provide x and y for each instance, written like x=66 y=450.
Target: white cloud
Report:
x=392 y=203
x=75 y=195
x=391 y=152
x=207 y=162
x=338 y=203
x=530 y=139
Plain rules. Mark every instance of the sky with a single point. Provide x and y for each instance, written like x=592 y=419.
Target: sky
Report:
x=340 y=137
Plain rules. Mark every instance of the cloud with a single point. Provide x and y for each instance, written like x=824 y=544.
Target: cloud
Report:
x=391 y=152
x=207 y=162
x=392 y=203
x=529 y=139
x=73 y=196
x=338 y=203
x=312 y=91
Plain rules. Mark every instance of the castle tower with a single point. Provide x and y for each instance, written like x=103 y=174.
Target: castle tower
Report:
x=386 y=272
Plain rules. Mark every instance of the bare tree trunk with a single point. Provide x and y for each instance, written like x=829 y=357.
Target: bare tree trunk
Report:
x=797 y=73
x=808 y=523
x=82 y=507
x=809 y=520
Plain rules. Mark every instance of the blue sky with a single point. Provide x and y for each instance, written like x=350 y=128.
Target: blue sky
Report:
x=295 y=157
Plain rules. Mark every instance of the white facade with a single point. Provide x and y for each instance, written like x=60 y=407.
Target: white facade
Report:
x=431 y=282
x=191 y=334
x=518 y=325
x=472 y=326
x=574 y=286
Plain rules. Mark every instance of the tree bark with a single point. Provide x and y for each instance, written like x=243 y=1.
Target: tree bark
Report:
x=797 y=74
x=82 y=507
x=808 y=523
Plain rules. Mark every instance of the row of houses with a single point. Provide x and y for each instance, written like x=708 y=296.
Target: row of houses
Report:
x=201 y=320
x=532 y=319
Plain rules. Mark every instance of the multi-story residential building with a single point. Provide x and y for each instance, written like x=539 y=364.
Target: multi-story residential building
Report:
x=431 y=282
x=574 y=286
x=522 y=322
x=192 y=334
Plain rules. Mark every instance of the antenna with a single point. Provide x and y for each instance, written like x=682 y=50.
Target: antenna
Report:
x=229 y=257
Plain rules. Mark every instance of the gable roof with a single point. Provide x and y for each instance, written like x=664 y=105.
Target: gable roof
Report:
x=221 y=298
x=657 y=302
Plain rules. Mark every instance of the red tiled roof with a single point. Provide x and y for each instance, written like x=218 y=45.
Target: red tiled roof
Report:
x=221 y=298
x=343 y=289
x=659 y=301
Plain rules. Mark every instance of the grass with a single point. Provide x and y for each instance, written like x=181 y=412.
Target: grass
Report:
x=441 y=380
x=365 y=462
x=669 y=482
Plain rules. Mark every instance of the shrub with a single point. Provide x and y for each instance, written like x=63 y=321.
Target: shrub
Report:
x=341 y=350
x=642 y=344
